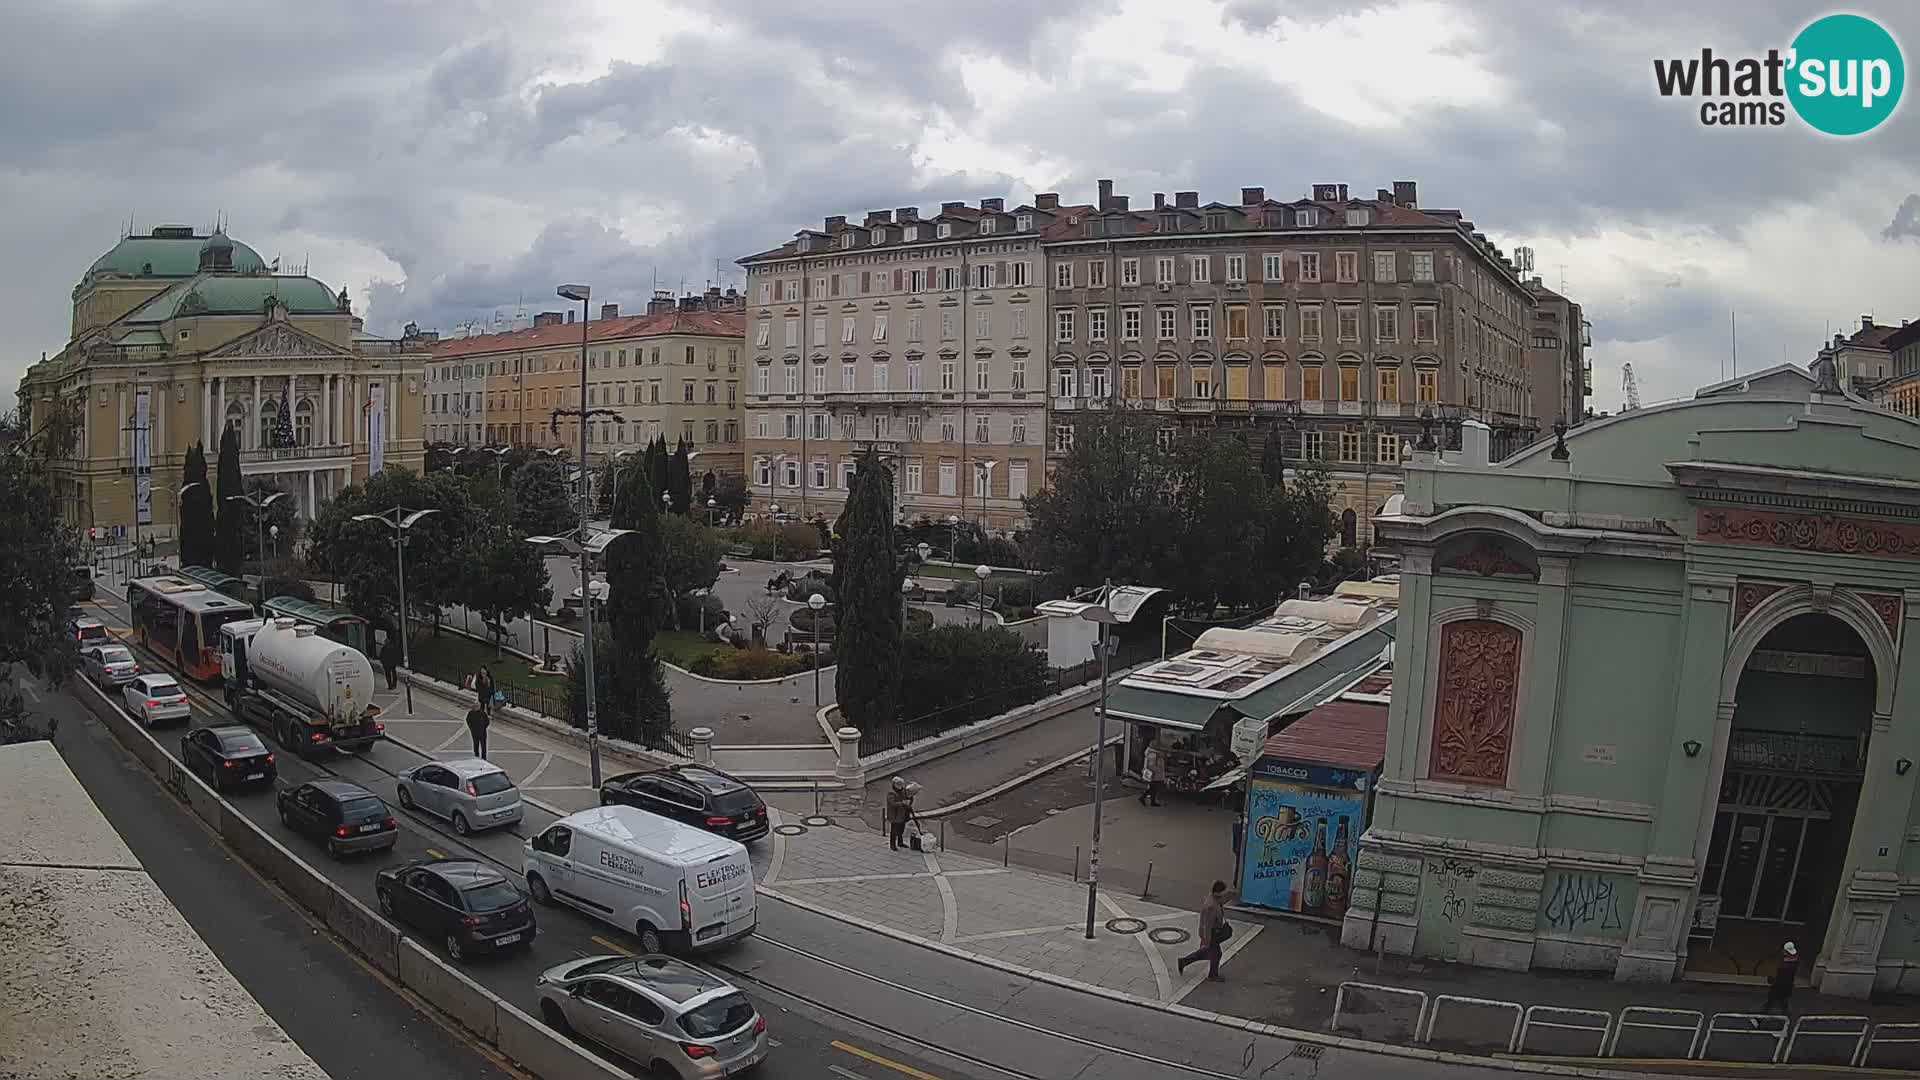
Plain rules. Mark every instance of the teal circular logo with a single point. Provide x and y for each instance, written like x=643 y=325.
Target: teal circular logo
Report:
x=1847 y=74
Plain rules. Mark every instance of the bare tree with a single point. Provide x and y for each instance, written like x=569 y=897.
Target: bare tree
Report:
x=760 y=611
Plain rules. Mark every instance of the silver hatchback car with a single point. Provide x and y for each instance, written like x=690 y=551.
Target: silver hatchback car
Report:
x=669 y=1017
x=469 y=792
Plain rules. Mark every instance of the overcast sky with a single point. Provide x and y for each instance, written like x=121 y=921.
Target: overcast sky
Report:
x=444 y=159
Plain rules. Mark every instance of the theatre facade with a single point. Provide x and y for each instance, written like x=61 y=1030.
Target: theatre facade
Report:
x=1649 y=715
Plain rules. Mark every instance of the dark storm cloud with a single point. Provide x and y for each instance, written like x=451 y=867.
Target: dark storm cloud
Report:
x=1906 y=220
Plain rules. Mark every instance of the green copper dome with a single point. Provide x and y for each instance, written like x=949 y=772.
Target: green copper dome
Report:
x=170 y=251
x=228 y=294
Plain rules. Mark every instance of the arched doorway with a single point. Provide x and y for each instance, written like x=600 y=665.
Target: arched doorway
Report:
x=1349 y=528
x=1795 y=757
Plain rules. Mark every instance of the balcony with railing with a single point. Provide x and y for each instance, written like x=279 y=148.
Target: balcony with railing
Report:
x=317 y=452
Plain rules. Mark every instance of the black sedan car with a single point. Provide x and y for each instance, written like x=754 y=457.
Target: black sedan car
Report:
x=345 y=817
x=698 y=795
x=469 y=906
x=227 y=756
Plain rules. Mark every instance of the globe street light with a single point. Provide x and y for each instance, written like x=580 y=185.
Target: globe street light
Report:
x=713 y=505
x=817 y=603
x=273 y=531
x=259 y=504
x=923 y=550
x=983 y=572
x=401 y=522
x=583 y=294
x=773 y=509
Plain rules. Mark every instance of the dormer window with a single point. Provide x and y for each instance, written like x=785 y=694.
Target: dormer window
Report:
x=804 y=243
x=911 y=233
x=987 y=225
x=1359 y=216
x=846 y=240
x=1305 y=219
x=1169 y=223
x=879 y=236
x=1023 y=223
x=943 y=230
x=1216 y=221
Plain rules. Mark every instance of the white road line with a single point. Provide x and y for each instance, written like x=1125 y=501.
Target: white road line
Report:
x=447 y=742
x=27 y=689
x=545 y=760
x=776 y=819
x=1162 y=981
x=949 y=907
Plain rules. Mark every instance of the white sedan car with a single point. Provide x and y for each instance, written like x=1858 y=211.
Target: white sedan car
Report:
x=156 y=699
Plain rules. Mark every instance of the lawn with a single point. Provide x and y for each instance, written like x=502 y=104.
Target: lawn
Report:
x=451 y=658
x=965 y=573
x=682 y=647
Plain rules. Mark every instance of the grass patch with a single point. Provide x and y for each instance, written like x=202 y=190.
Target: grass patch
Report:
x=682 y=648
x=965 y=573
x=450 y=658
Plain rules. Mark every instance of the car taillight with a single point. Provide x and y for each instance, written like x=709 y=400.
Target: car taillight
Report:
x=152 y=703
x=269 y=759
x=716 y=821
x=340 y=831
x=318 y=736
x=388 y=823
x=378 y=727
x=759 y=1025
x=471 y=791
x=470 y=920
x=231 y=764
x=697 y=1051
x=686 y=909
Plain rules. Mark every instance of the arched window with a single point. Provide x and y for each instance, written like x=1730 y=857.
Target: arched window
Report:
x=1349 y=528
x=236 y=416
x=269 y=412
x=303 y=422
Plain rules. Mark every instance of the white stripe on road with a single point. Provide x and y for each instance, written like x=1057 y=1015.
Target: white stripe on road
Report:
x=27 y=689
x=545 y=761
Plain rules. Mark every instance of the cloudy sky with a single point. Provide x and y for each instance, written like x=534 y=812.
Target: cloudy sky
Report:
x=443 y=160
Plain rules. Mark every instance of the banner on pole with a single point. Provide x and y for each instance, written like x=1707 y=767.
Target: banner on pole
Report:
x=376 y=427
x=143 y=457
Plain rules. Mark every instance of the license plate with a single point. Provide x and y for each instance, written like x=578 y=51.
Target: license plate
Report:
x=746 y=1063
x=373 y=827
x=506 y=939
x=711 y=931
x=256 y=776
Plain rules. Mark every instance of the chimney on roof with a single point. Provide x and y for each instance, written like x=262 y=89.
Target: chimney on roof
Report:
x=907 y=214
x=1159 y=200
x=1404 y=193
x=1049 y=200
x=1343 y=193
x=1120 y=202
x=950 y=207
x=1866 y=322
x=569 y=316
x=609 y=311
x=1382 y=195
x=1252 y=196
x=996 y=206
x=1186 y=200
x=548 y=318
x=837 y=221
x=661 y=303
x=1326 y=192
x=1106 y=194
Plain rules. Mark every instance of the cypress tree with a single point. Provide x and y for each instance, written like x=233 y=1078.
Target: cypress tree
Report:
x=229 y=539
x=868 y=630
x=680 y=477
x=196 y=510
x=634 y=600
x=656 y=460
x=1273 y=459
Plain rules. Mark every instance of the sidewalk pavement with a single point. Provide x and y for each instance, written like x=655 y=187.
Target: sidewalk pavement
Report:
x=545 y=768
x=953 y=779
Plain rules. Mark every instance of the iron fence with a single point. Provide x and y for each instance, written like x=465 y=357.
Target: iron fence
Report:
x=553 y=703
x=960 y=714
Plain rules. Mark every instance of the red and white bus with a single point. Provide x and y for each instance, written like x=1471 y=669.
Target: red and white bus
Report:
x=180 y=620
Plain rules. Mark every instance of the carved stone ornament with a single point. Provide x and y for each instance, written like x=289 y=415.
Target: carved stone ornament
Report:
x=1488 y=559
x=1475 y=703
x=1822 y=533
x=276 y=339
x=1748 y=595
x=1890 y=607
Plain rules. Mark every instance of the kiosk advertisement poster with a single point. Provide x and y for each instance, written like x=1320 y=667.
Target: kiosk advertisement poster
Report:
x=1303 y=832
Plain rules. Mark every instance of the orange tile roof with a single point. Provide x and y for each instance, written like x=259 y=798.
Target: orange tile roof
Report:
x=696 y=323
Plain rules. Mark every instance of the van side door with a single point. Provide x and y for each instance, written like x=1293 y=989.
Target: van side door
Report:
x=556 y=864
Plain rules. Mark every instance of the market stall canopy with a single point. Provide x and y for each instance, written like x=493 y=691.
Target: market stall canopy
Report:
x=1339 y=734
x=1166 y=710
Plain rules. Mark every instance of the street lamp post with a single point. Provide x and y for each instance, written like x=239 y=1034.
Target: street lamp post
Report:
x=259 y=505
x=773 y=509
x=401 y=522
x=1105 y=617
x=713 y=506
x=817 y=603
x=953 y=537
x=274 y=532
x=583 y=294
x=983 y=572
x=923 y=550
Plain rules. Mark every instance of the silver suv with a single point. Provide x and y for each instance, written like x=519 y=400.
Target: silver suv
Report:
x=666 y=1015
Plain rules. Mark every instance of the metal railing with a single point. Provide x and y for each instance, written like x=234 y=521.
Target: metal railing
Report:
x=1531 y=1021
x=1856 y=1029
x=1910 y=1033
x=1340 y=1002
x=1513 y=1034
x=1693 y=1029
x=1754 y=1024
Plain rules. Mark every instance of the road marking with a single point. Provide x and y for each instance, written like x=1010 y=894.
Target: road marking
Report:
x=615 y=946
x=545 y=760
x=838 y=1070
x=888 y=1063
x=27 y=689
x=436 y=853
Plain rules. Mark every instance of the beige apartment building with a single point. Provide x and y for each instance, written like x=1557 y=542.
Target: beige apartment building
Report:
x=178 y=335
x=674 y=374
x=1557 y=351
x=1340 y=320
x=921 y=338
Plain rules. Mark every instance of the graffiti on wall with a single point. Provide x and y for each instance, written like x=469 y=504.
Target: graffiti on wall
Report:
x=1453 y=879
x=1587 y=903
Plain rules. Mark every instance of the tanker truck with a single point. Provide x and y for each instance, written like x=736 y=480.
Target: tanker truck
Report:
x=308 y=691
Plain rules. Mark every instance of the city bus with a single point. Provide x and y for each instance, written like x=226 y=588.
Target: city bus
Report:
x=180 y=620
x=219 y=582
x=332 y=623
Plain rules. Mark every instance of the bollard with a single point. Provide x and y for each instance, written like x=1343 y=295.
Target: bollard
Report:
x=1005 y=854
x=816 y=798
x=1147 y=889
x=1076 y=862
x=943 y=834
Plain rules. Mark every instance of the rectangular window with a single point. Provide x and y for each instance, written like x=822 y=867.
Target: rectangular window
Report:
x=947 y=376
x=913 y=476
x=982 y=374
x=792 y=477
x=1200 y=269
x=946 y=326
x=982 y=428
x=1018 y=269
x=1425 y=324
x=1166 y=320
x=1236 y=268
x=1200 y=321
x=1310 y=322
x=1097 y=324
x=1019 y=374
x=766 y=292
x=1311 y=375
x=846 y=331
x=1130 y=382
x=882 y=426
x=1313 y=446
x=948 y=479
x=793 y=380
x=913 y=427
x=1062 y=277
x=1203 y=381
x=1346 y=266
x=1389 y=378
x=653 y=393
x=1097 y=382
x=1096 y=274
x=1019 y=322
x=793 y=290
x=1386 y=324
x=1063 y=382
x=982 y=477
x=983 y=275
x=686 y=390
x=820 y=475
x=819 y=336
x=1129 y=272
x=983 y=324
x=763 y=472
x=1273 y=378
x=1350 y=446
x=949 y=278
x=1348 y=322
x=1426 y=385
x=1016 y=480
x=1163 y=270
x=1388 y=449
x=1063 y=438
x=1310 y=266
x=1063 y=325
x=1163 y=382
x=1349 y=382
x=793 y=426
x=913 y=328
x=1130 y=324
x=1236 y=322
x=913 y=376
x=1383 y=269
x=1018 y=433
x=793 y=333
x=848 y=378
x=1271 y=268
x=880 y=328
x=1422 y=265
x=916 y=281
x=763 y=379
x=1273 y=323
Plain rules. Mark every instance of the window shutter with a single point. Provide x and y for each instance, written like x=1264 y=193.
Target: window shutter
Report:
x=866 y=281
x=1000 y=272
x=899 y=279
x=835 y=287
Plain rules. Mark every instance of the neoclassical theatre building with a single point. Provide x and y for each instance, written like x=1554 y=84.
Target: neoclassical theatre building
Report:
x=1653 y=720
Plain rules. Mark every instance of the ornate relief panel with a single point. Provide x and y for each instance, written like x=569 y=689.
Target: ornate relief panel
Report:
x=1810 y=532
x=1475 y=702
x=1748 y=595
x=1889 y=606
x=1487 y=558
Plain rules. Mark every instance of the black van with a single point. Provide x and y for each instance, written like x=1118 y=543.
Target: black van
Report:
x=82 y=582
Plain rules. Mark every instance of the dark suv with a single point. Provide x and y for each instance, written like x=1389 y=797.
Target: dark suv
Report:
x=345 y=817
x=698 y=795
x=468 y=906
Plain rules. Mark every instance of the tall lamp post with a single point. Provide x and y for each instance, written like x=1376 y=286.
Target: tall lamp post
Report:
x=583 y=294
x=983 y=572
x=817 y=603
x=923 y=550
x=401 y=521
x=260 y=505
x=713 y=507
x=1108 y=617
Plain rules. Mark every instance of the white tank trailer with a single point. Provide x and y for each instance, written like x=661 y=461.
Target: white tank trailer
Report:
x=305 y=689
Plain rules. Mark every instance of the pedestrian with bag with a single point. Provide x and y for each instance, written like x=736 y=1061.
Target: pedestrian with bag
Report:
x=391 y=658
x=477 y=720
x=1154 y=771
x=1214 y=932
x=483 y=688
x=1780 y=988
x=899 y=811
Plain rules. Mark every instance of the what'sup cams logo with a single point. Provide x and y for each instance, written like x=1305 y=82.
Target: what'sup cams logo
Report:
x=1842 y=75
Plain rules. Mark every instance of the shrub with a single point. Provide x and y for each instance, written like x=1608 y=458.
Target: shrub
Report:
x=747 y=664
x=1016 y=594
x=800 y=589
x=961 y=592
x=803 y=618
x=687 y=608
x=797 y=542
x=280 y=585
x=962 y=674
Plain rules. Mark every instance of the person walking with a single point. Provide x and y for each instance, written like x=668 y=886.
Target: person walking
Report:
x=1154 y=771
x=477 y=721
x=899 y=811
x=483 y=688
x=1780 y=989
x=1214 y=932
x=390 y=658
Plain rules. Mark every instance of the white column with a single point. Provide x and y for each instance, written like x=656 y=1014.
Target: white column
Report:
x=253 y=419
x=206 y=410
x=120 y=420
x=311 y=505
x=219 y=416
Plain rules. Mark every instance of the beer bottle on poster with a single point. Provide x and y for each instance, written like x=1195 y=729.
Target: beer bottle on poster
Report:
x=1339 y=872
x=1315 y=896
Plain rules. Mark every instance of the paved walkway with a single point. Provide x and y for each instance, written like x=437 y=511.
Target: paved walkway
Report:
x=546 y=768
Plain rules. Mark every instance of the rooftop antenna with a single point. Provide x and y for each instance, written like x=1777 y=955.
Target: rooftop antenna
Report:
x=1733 y=340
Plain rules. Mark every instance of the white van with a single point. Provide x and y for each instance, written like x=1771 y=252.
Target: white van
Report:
x=675 y=887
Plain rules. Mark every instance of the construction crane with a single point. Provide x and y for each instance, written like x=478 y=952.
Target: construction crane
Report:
x=1628 y=384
